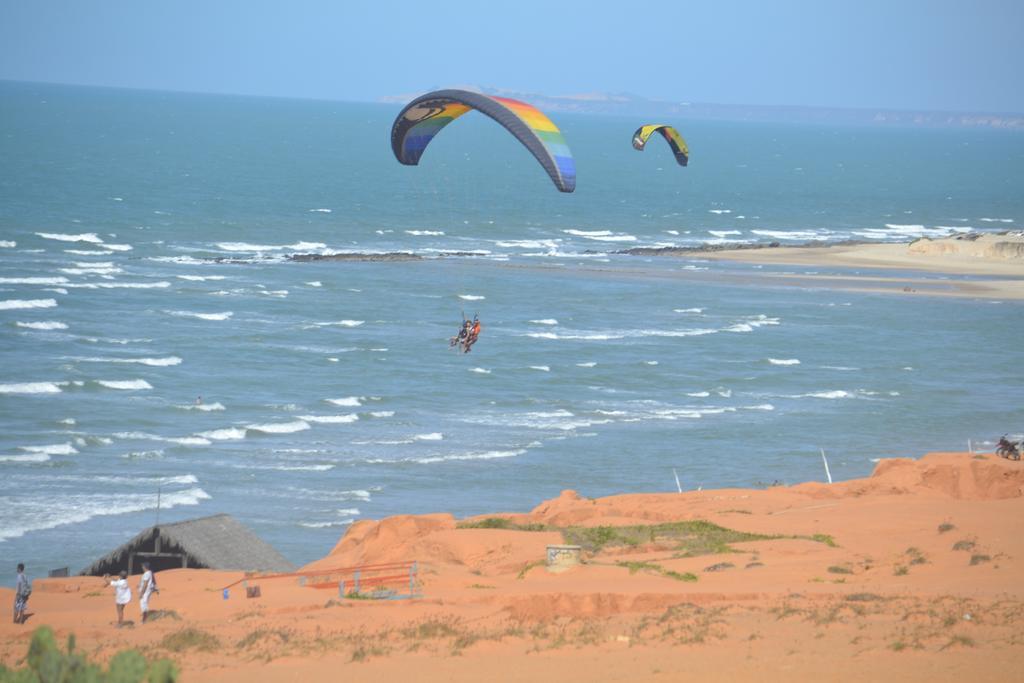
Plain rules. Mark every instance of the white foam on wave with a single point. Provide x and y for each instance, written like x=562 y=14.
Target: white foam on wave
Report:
x=751 y=324
x=528 y=244
x=162 y=284
x=52 y=449
x=89 y=252
x=341 y=323
x=486 y=455
x=118 y=247
x=77 y=508
x=205 y=407
x=181 y=441
x=601 y=235
x=687 y=310
x=30 y=388
x=326 y=525
x=650 y=362
x=90 y=237
x=330 y=419
x=542 y=368
x=545 y=321
x=784 y=361
x=7 y=244
x=724 y=233
x=315 y=283
x=280 y=427
x=125 y=385
x=225 y=434
x=843 y=368
x=19 y=304
x=996 y=220
x=699 y=394
x=425 y=233
x=289 y=468
x=43 y=325
x=382 y=413
x=789 y=234
x=320 y=210
x=432 y=436
x=583 y=335
x=200 y=278
x=588 y=364
x=183 y=260
x=347 y=402
x=152 y=362
x=719 y=211
x=834 y=394
x=33 y=280
x=201 y=316
x=472 y=297
x=480 y=371
x=35 y=457
x=246 y=247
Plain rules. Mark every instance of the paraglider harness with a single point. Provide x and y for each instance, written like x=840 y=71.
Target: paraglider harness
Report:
x=468 y=334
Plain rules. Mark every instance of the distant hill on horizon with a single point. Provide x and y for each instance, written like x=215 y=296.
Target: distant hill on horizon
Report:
x=626 y=104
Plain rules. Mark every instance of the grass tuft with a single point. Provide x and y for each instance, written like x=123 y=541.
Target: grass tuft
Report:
x=501 y=523
x=190 y=638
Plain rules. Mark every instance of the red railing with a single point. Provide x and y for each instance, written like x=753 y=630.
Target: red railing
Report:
x=344 y=578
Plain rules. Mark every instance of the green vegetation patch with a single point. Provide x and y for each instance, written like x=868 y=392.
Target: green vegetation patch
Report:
x=635 y=567
x=190 y=638
x=501 y=523
x=46 y=662
x=691 y=538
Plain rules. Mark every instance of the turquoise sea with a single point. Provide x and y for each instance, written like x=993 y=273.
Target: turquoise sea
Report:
x=144 y=243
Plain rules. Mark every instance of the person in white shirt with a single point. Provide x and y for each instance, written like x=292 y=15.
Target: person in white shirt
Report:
x=147 y=586
x=122 y=594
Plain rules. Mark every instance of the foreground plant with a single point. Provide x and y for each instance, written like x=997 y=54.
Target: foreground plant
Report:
x=47 y=664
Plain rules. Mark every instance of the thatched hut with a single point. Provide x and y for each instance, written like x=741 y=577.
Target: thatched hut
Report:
x=216 y=542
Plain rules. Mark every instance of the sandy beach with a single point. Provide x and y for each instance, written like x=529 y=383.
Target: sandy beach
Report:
x=996 y=262
x=910 y=574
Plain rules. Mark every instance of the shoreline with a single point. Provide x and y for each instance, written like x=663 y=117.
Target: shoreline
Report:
x=911 y=573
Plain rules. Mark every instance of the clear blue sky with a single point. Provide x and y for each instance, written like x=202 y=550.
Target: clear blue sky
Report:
x=905 y=54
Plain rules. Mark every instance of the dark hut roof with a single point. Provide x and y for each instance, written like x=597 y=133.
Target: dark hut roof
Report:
x=215 y=542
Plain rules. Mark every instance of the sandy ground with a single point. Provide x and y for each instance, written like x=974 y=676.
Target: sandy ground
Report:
x=912 y=574
x=996 y=260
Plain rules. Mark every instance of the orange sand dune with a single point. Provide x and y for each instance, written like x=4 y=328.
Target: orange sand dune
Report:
x=913 y=573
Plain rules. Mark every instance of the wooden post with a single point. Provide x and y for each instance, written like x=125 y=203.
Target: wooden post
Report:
x=825 y=460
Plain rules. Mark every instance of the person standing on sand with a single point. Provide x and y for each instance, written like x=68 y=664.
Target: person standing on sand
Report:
x=147 y=586
x=23 y=589
x=122 y=594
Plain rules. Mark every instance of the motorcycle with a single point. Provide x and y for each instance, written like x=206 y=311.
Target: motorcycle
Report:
x=1007 y=449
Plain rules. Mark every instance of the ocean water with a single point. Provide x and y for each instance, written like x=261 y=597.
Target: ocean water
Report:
x=156 y=338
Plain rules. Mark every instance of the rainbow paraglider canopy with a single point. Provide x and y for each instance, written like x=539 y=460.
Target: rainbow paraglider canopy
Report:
x=424 y=117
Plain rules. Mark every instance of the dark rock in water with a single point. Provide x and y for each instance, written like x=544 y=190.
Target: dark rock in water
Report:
x=705 y=248
x=391 y=256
